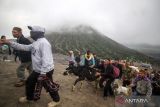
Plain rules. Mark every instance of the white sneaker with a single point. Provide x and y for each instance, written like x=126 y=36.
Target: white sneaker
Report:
x=53 y=104
x=23 y=100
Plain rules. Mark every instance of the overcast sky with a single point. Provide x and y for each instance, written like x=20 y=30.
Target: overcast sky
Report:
x=126 y=21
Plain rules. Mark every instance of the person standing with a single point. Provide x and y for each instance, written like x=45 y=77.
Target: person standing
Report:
x=24 y=56
x=143 y=87
x=88 y=60
x=108 y=74
x=71 y=60
x=5 y=50
x=42 y=62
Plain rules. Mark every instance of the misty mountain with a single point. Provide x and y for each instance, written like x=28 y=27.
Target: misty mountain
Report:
x=85 y=37
x=150 y=50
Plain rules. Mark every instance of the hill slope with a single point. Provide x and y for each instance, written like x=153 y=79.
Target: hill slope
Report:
x=85 y=37
x=150 y=50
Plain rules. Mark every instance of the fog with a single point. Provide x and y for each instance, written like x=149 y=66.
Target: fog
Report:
x=126 y=21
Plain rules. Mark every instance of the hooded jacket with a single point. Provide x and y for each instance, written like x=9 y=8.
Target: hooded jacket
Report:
x=36 y=32
x=42 y=58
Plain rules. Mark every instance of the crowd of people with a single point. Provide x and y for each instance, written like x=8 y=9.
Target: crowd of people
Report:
x=142 y=82
x=37 y=58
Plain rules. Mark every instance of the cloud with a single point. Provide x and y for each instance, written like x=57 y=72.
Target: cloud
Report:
x=126 y=21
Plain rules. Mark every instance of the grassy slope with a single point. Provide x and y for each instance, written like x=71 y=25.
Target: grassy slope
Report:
x=83 y=40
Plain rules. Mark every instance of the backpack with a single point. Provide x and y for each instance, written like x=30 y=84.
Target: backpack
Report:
x=116 y=71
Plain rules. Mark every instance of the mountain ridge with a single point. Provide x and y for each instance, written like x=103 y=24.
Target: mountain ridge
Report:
x=85 y=37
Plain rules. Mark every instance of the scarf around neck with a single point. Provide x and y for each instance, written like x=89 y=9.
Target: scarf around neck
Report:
x=88 y=57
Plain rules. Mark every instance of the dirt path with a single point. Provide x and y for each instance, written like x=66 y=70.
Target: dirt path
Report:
x=87 y=97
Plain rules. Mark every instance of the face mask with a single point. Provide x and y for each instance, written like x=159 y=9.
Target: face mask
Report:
x=36 y=35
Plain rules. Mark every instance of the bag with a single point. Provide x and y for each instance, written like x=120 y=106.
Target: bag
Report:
x=116 y=72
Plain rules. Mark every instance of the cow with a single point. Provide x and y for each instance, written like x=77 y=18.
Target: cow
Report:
x=88 y=74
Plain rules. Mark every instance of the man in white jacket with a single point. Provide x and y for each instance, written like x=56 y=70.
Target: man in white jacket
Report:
x=42 y=62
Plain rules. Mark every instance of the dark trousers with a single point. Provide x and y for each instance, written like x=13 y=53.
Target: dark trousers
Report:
x=70 y=66
x=120 y=74
x=101 y=81
x=107 y=87
x=31 y=83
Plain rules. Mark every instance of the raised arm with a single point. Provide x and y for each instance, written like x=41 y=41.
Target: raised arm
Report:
x=21 y=47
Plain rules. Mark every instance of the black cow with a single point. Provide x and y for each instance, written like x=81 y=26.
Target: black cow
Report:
x=86 y=73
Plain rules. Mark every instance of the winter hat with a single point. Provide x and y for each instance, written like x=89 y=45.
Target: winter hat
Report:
x=36 y=32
